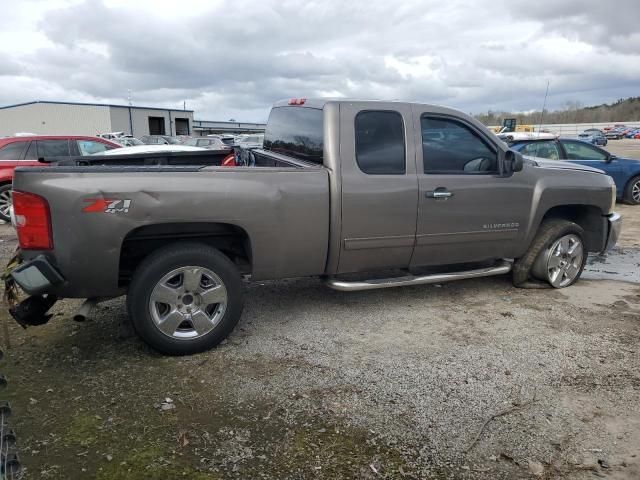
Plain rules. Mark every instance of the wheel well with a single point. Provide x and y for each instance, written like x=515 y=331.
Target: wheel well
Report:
x=590 y=218
x=231 y=240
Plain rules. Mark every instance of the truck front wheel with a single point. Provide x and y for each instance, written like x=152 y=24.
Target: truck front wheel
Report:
x=185 y=298
x=556 y=256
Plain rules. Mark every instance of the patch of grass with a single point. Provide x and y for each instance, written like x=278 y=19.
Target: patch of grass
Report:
x=83 y=430
x=149 y=464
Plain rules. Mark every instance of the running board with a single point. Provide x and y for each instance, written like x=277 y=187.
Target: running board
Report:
x=499 y=269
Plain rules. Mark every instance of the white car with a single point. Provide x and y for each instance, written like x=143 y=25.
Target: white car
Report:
x=521 y=136
x=150 y=149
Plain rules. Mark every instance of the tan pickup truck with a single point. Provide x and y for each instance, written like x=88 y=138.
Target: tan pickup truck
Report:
x=340 y=187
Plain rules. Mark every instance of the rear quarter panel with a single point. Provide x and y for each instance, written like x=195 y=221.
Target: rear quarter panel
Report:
x=285 y=213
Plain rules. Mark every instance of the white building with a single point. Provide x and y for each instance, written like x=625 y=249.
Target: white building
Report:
x=69 y=118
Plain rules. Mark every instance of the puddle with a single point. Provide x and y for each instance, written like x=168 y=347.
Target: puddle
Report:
x=619 y=264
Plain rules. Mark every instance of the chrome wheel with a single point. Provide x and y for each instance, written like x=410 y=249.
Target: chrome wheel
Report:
x=635 y=192
x=561 y=264
x=188 y=302
x=5 y=203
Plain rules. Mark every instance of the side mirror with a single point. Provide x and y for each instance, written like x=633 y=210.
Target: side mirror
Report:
x=513 y=162
x=611 y=158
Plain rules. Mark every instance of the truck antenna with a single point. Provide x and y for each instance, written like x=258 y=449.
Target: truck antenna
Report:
x=544 y=104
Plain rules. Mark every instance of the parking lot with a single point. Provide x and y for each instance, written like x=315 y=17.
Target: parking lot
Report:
x=474 y=379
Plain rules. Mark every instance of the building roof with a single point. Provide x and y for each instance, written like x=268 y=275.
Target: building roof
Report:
x=95 y=105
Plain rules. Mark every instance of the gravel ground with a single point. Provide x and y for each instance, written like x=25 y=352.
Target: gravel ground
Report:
x=469 y=380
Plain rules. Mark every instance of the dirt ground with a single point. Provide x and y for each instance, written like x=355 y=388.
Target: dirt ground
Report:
x=468 y=380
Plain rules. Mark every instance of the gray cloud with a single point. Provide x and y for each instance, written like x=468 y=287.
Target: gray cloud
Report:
x=236 y=58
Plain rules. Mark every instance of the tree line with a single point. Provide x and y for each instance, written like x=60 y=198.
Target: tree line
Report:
x=623 y=110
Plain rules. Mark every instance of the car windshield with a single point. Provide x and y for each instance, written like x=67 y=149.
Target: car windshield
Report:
x=172 y=140
x=192 y=142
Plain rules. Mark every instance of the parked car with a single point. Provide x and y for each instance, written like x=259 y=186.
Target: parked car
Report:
x=632 y=133
x=624 y=171
x=593 y=136
x=228 y=140
x=127 y=141
x=339 y=187
x=251 y=141
x=112 y=135
x=211 y=143
x=160 y=140
x=137 y=149
x=26 y=150
x=617 y=133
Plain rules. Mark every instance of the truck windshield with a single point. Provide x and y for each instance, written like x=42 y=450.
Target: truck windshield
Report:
x=296 y=132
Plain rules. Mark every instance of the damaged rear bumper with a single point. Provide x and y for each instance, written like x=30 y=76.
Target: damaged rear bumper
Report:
x=36 y=276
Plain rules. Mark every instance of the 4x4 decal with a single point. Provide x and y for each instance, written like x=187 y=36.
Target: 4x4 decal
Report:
x=106 y=205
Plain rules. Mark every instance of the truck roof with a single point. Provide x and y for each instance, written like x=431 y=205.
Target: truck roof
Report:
x=321 y=102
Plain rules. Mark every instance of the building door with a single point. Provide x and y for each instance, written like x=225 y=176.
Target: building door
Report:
x=182 y=126
x=156 y=126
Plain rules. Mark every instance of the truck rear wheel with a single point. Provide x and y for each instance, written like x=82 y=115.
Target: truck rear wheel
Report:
x=556 y=257
x=185 y=298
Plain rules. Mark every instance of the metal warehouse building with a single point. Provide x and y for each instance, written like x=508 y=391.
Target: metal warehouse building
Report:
x=68 y=118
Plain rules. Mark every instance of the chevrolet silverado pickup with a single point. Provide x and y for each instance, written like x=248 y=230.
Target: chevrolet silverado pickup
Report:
x=363 y=194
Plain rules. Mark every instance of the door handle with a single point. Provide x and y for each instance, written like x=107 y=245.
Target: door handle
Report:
x=438 y=193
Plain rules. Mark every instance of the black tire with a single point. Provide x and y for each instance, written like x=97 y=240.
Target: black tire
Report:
x=549 y=231
x=5 y=190
x=165 y=260
x=627 y=196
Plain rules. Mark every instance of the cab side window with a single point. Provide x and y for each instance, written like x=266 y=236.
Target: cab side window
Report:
x=380 y=146
x=452 y=147
x=582 y=151
x=542 y=150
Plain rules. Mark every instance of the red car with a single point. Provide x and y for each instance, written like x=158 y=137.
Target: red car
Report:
x=25 y=151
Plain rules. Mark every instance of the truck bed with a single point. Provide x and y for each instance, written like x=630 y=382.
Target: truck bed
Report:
x=270 y=204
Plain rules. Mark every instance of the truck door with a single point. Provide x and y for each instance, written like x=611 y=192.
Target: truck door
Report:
x=379 y=186
x=467 y=211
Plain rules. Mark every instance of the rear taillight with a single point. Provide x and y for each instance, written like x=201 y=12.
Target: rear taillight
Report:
x=33 y=221
x=229 y=160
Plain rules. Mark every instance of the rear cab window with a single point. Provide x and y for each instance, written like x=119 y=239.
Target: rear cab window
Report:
x=380 y=144
x=297 y=132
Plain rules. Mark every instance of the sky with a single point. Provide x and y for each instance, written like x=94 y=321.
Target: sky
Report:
x=233 y=59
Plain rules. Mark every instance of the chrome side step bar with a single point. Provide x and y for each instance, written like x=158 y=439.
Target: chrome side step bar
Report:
x=499 y=269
